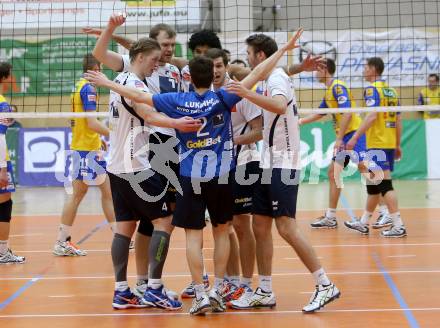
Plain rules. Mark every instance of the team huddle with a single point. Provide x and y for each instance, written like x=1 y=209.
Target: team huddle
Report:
x=183 y=153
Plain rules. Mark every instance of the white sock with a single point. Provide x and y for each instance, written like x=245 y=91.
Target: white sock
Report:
x=383 y=210
x=235 y=280
x=155 y=283
x=331 y=213
x=397 y=220
x=121 y=286
x=321 y=277
x=266 y=283
x=218 y=282
x=3 y=246
x=366 y=217
x=200 y=290
x=246 y=282
x=113 y=226
x=63 y=232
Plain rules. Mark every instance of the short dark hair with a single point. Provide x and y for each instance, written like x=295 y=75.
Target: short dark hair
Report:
x=155 y=30
x=215 y=53
x=143 y=45
x=434 y=75
x=262 y=42
x=5 y=70
x=239 y=61
x=377 y=63
x=89 y=62
x=331 y=66
x=202 y=71
x=204 y=37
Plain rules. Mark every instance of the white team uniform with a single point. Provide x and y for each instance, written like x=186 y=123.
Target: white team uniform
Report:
x=128 y=137
x=281 y=140
x=185 y=84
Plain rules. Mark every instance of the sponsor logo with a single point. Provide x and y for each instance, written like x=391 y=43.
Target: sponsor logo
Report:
x=323 y=48
x=342 y=100
x=202 y=143
x=370 y=102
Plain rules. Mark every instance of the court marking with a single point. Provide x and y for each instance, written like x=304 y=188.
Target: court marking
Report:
x=61 y=296
x=395 y=291
x=401 y=256
x=178 y=314
x=186 y=275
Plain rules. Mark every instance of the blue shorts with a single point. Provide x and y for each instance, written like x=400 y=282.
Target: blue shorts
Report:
x=87 y=165
x=276 y=193
x=243 y=186
x=11 y=184
x=380 y=159
x=357 y=155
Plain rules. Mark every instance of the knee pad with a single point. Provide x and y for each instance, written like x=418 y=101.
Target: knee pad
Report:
x=5 y=211
x=385 y=186
x=145 y=228
x=373 y=189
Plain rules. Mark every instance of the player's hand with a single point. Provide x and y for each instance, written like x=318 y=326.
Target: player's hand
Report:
x=4 y=181
x=350 y=144
x=117 y=19
x=91 y=31
x=187 y=124
x=291 y=44
x=237 y=88
x=339 y=146
x=398 y=154
x=313 y=63
x=97 y=78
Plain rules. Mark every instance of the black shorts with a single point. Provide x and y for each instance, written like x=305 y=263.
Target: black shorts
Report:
x=244 y=186
x=142 y=199
x=192 y=204
x=166 y=156
x=276 y=193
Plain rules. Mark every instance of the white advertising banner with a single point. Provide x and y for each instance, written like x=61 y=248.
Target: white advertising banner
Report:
x=58 y=13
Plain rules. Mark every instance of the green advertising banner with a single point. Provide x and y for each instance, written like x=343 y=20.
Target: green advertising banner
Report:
x=46 y=68
x=317 y=141
x=12 y=142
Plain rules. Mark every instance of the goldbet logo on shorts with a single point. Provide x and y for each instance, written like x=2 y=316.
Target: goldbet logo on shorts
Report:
x=202 y=143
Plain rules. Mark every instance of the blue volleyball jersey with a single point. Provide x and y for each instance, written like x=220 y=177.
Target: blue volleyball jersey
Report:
x=209 y=152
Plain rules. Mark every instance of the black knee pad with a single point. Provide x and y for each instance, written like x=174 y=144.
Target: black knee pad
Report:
x=146 y=228
x=385 y=186
x=6 y=211
x=373 y=189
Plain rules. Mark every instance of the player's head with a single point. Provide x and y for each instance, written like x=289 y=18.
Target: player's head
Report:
x=166 y=36
x=433 y=81
x=322 y=74
x=373 y=69
x=5 y=71
x=220 y=62
x=145 y=54
x=239 y=62
x=201 y=69
x=260 y=47
x=201 y=41
x=90 y=63
x=228 y=54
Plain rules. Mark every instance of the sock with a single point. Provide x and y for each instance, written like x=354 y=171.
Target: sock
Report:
x=383 y=210
x=226 y=277
x=63 y=232
x=113 y=226
x=331 y=213
x=154 y=283
x=3 y=246
x=120 y=286
x=235 y=280
x=142 y=279
x=199 y=290
x=159 y=244
x=246 y=282
x=366 y=217
x=397 y=220
x=266 y=283
x=218 y=282
x=321 y=277
x=120 y=250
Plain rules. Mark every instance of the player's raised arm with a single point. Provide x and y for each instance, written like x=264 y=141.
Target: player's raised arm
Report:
x=122 y=40
x=99 y=79
x=101 y=52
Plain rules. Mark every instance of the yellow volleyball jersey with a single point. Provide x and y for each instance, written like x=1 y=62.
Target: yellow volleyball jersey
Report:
x=338 y=95
x=430 y=97
x=84 y=98
x=4 y=122
x=382 y=134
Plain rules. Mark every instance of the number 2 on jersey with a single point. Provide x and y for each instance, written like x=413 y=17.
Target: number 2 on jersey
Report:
x=199 y=132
